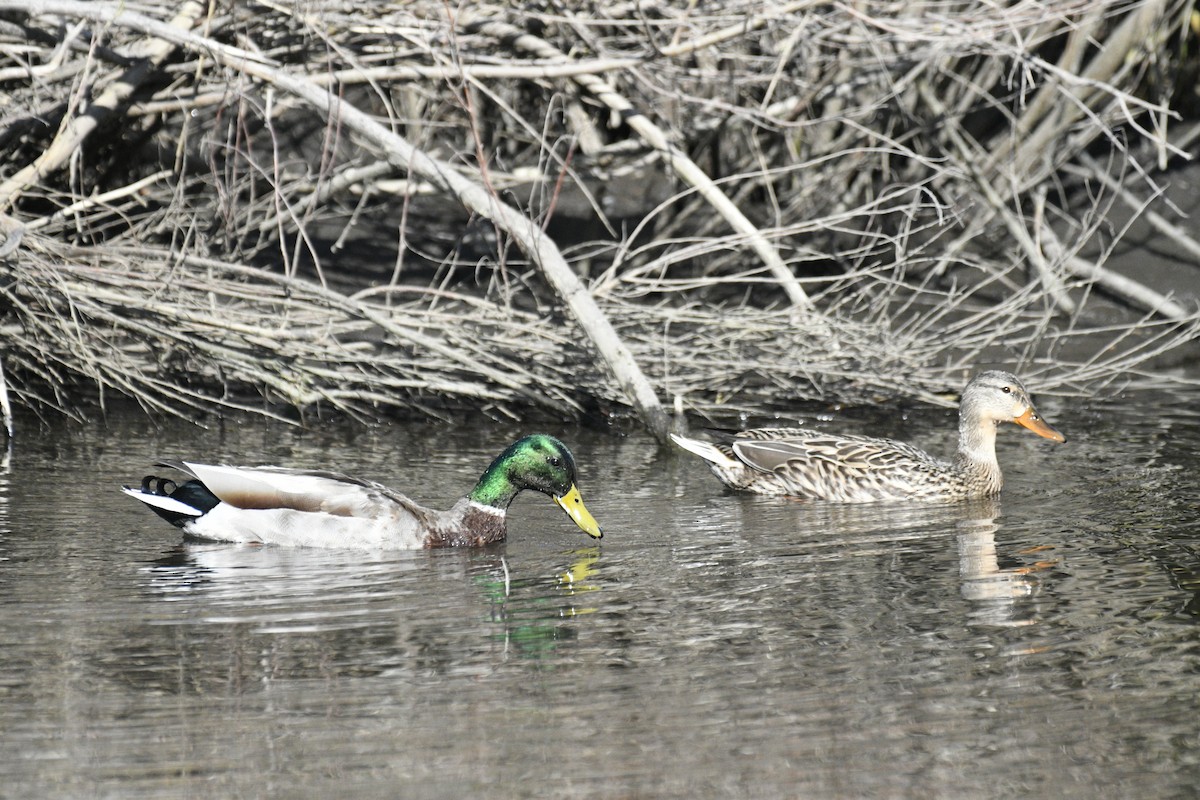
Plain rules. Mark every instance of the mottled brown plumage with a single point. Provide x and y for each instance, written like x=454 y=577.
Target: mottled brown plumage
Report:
x=810 y=464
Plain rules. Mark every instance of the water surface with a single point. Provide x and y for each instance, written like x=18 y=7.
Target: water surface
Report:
x=711 y=645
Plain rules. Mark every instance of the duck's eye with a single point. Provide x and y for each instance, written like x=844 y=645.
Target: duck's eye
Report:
x=554 y=461
x=1006 y=389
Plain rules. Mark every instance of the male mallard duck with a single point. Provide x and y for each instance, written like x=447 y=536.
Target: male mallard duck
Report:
x=857 y=469
x=273 y=505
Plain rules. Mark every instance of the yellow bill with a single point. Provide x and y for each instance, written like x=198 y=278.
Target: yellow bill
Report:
x=572 y=503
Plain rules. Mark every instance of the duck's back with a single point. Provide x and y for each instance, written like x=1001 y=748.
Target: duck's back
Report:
x=851 y=469
x=274 y=505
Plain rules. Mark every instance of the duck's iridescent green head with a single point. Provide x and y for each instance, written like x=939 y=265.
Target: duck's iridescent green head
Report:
x=537 y=462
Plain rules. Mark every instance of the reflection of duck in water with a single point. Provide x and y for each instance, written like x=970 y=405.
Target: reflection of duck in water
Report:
x=532 y=612
x=577 y=578
x=271 y=505
x=996 y=593
x=856 y=469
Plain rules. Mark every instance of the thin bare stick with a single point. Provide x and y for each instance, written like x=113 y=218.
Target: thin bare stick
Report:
x=1152 y=217
x=1028 y=161
x=97 y=201
x=5 y=404
x=1016 y=229
x=687 y=169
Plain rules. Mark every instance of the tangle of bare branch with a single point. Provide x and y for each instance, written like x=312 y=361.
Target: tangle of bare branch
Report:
x=731 y=207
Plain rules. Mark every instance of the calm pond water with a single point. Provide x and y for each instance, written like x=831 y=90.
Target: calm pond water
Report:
x=712 y=645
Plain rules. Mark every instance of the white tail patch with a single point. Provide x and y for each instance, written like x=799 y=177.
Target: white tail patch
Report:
x=706 y=451
x=163 y=502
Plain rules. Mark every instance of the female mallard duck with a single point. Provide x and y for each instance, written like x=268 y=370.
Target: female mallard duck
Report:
x=856 y=469
x=272 y=505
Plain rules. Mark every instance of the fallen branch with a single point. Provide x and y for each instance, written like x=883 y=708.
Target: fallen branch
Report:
x=1136 y=293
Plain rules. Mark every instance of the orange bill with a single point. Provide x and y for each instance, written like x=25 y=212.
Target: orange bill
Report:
x=1033 y=422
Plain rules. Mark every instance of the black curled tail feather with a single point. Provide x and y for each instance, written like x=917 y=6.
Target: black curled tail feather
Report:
x=191 y=493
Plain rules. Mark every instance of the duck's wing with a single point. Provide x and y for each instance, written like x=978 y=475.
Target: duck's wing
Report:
x=845 y=468
x=769 y=449
x=300 y=490
x=720 y=452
